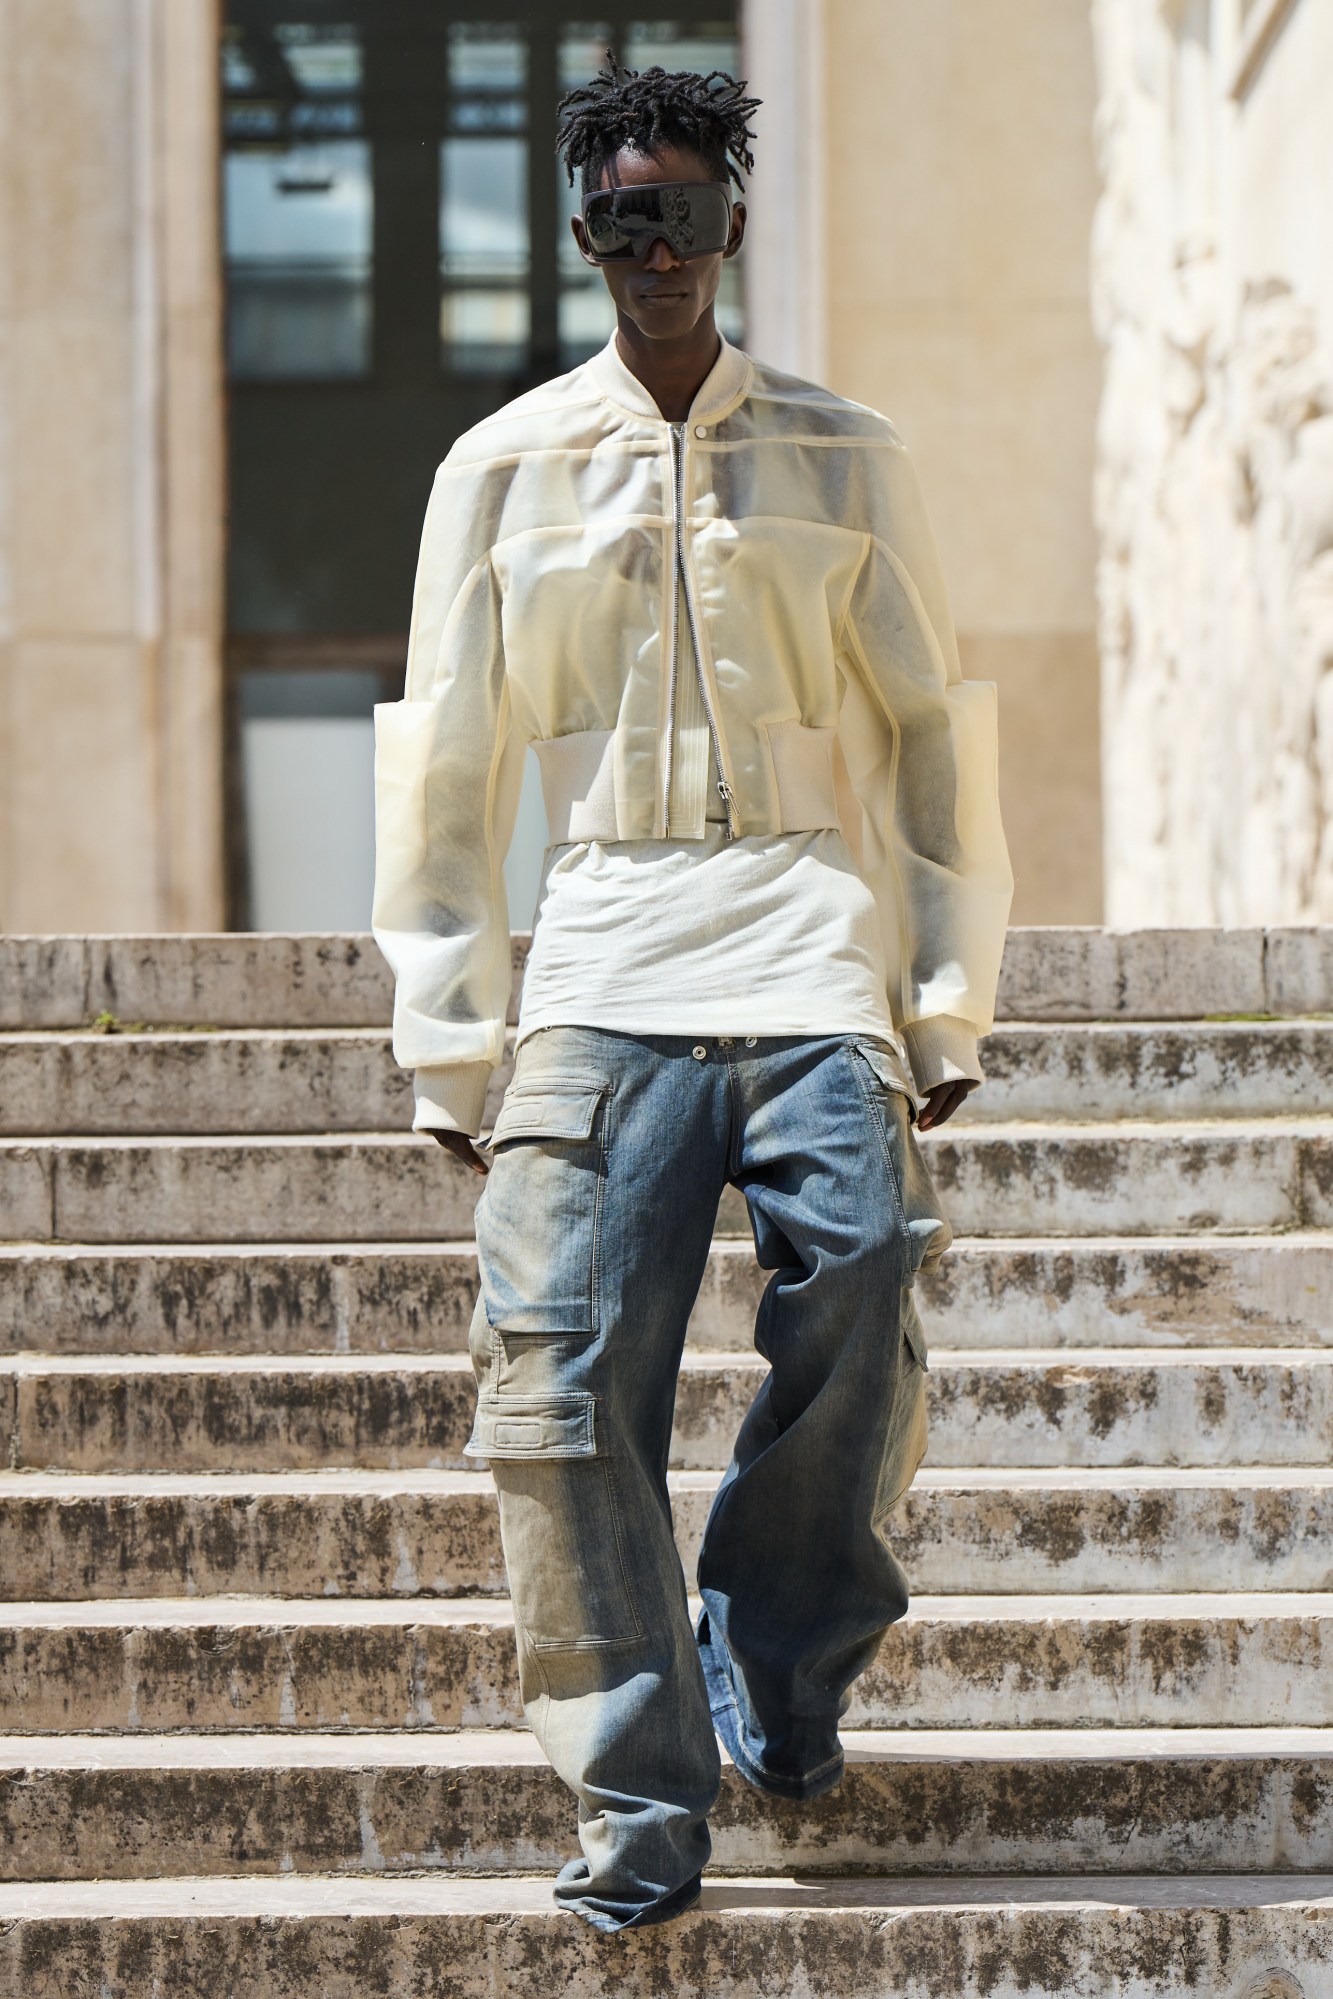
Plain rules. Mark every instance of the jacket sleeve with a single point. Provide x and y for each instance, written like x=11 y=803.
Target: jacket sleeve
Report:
x=920 y=744
x=448 y=770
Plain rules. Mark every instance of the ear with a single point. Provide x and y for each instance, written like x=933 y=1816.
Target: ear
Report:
x=581 y=238
x=737 y=236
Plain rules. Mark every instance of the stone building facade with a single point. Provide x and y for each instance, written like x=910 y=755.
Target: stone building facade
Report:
x=1213 y=297
x=921 y=223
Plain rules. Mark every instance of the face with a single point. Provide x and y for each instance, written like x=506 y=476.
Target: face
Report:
x=665 y=296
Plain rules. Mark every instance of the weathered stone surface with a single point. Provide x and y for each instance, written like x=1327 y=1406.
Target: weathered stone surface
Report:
x=435 y=1533
x=1258 y=1290
x=995 y=1179
x=27 y=1202
x=342 y=1534
x=1298 y=970
x=263 y=1416
x=245 y=979
x=345 y=1079
x=1127 y=1179
x=236 y=1080
x=43 y=981
x=232 y=979
x=416 y=1412
x=240 y=980
x=294 y=1299
x=189 y=1568
x=237 y=1664
x=336 y=1079
x=1220 y=1661
x=1068 y=973
x=1120 y=1530
x=1214 y=487
x=1199 y=1070
x=75 y=1807
x=435 y=1939
x=368 y=1298
x=400 y=1187
x=1048 y=1409
x=971 y=1662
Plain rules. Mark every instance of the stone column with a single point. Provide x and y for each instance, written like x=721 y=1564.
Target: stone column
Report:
x=1213 y=297
x=919 y=240
x=785 y=262
x=111 y=509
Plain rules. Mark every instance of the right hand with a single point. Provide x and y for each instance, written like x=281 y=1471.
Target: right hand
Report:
x=464 y=1151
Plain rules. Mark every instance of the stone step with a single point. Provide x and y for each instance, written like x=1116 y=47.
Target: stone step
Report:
x=261 y=1081
x=431 y=1533
x=912 y=1801
x=144 y=1413
x=1153 y=1936
x=1015 y=1179
x=234 y=1663
x=1259 y=1291
x=248 y=979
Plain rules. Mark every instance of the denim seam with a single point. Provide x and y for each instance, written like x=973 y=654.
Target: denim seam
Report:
x=613 y=1508
x=581 y=1645
x=735 y=1124
x=859 y=1063
x=603 y=1169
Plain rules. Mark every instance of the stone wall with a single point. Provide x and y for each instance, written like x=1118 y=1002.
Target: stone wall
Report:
x=931 y=259
x=1214 y=488
x=111 y=503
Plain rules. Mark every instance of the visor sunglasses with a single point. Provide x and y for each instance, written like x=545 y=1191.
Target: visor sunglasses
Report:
x=623 y=223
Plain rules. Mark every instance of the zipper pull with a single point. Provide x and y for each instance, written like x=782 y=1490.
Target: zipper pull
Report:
x=728 y=800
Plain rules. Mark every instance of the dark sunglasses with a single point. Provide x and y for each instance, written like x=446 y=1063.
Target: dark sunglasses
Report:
x=623 y=223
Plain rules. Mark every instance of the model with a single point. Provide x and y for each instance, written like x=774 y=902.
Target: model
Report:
x=767 y=940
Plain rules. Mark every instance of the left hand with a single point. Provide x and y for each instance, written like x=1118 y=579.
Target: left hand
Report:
x=942 y=1102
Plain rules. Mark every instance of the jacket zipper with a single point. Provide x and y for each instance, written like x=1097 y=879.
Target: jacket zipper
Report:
x=681 y=584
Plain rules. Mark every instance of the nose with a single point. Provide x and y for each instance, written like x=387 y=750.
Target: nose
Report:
x=661 y=256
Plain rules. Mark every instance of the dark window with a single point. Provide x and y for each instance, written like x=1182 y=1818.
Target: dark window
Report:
x=398 y=264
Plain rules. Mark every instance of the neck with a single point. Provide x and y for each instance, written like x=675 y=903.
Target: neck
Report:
x=672 y=371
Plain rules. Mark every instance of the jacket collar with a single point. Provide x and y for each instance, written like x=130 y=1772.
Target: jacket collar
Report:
x=724 y=384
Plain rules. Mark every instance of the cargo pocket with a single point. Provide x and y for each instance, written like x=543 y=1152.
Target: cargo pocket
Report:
x=539 y=1218
x=559 y=1521
x=927 y=1230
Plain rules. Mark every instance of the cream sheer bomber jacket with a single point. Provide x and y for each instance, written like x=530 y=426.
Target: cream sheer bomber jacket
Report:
x=544 y=614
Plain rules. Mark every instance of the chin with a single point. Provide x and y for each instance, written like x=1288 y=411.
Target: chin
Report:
x=667 y=322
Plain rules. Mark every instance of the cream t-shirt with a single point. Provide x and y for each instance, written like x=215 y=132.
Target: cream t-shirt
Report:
x=767 y=934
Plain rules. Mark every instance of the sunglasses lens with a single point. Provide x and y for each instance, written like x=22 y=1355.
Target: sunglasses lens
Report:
x=606 y=238
x=694 y=218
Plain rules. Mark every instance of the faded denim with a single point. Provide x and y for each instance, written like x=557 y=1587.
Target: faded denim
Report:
x=611 y=1153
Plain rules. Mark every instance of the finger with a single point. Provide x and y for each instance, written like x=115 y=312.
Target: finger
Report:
x=957 y=1096
x=933 y=1108
x=942 y=1102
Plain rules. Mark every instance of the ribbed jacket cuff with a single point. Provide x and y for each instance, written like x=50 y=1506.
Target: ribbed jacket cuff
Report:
x=942 y=1049
x=452 y=1098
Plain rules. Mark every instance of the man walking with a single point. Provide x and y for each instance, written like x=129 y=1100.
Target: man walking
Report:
x=767 y=939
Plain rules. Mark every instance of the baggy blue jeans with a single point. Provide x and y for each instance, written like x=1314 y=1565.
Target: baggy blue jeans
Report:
x=611 y=1153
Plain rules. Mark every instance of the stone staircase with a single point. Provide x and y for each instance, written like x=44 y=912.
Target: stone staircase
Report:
x=259 y=1728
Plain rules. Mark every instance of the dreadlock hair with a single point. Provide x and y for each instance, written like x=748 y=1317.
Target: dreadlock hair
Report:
x=651 y=108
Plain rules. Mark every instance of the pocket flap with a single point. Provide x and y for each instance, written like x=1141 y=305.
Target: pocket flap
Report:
x=519 y=1426
x=888 y=1068
x=548 y=1110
